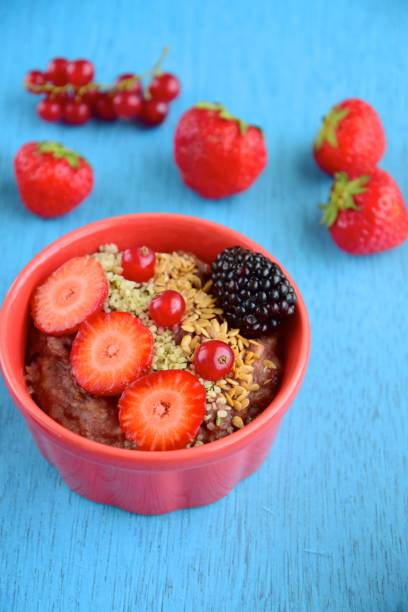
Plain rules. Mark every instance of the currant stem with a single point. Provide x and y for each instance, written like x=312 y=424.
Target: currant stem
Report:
x=156 y=68
x=49 y=88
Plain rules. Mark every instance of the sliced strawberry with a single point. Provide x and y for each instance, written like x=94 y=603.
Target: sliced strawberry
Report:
x=73 y=292
x=109 y=351
x=162 y=411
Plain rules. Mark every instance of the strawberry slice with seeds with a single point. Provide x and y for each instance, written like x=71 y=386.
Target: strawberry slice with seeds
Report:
x=163 y=410
x=110 y=351
x=73 y=292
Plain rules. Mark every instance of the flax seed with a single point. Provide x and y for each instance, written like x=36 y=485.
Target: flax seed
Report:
x=237 y=422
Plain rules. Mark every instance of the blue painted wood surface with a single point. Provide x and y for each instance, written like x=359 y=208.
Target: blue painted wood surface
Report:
x=323 y=525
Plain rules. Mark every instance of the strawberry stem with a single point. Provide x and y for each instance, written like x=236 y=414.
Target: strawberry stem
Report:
x=328 y=131
x=342 y=196
x=224 y=114
x=58 y=151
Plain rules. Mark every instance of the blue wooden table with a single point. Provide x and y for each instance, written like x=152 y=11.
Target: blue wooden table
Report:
x=324 y=524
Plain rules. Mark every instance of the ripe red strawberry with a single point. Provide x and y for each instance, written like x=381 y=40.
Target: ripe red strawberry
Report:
x=366 y=214
x=110 y=351
x=51 y=180
x=75 y=291
x=351 y=139
x=217 y=154
x=162 y=411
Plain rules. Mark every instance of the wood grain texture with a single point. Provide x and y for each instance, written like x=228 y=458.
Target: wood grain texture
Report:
x=323 y=525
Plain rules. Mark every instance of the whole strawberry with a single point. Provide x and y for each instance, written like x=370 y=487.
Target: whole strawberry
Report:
x=351 y=139
x=51 y=179
x=366 y=214
x=218 y=155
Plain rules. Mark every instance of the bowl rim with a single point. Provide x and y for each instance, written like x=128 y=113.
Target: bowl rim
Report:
x=188 y=456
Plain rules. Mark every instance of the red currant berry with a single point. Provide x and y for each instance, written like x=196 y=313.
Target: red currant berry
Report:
x=127 y=104
x=138 y=264
x=57 y=71
x=33 y=80
x=164 y=87
x=80 y=72
x=49 y=110
x=76 y=112
x=213 y=360
x=103 y=108
x=129 y=82
x=90 y=97
x=126 y=76
x=62 y=97
x=167 y=308
x=153 y=112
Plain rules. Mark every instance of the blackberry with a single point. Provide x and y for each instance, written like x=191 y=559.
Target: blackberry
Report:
x=253 y=292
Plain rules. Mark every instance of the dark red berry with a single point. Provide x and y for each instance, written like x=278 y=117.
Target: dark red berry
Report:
x=213 y=360
x=80 y=72
x=76 y=112
x=33 y=80
x=129 y=82
x=57 y=71
x=103 y=108
x=164 y=87
x=138 y=264
x=167 y=308
x=90 y=97
x=49 y=110
x=61 y=96
x=126 y=76
x=153 y=112
x=127 y=104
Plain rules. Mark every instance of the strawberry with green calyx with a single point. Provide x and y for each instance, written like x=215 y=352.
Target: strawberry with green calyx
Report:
x=51 y=179
x=351 y=139
x=218 y=154
x=366 y=214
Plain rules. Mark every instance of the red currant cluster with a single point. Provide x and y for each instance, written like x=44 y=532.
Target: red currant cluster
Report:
x=72 y=95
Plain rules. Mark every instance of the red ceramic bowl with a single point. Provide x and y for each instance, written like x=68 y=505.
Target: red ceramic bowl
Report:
x=141 y=481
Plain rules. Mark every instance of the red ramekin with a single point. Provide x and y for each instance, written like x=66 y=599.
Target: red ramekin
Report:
x=140 y=481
